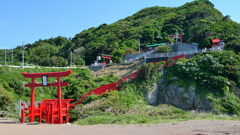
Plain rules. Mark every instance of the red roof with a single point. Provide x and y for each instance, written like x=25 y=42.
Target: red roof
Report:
x=216 y=40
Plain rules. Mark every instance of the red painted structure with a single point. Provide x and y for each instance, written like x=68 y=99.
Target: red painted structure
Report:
x=104 y=56
x=59 y=108
x=175 y=36
x=216 y=42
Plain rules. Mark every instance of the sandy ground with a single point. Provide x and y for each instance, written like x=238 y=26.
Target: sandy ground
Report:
x=202 y=127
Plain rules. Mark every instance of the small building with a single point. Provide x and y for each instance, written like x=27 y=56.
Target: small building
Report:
x=152 y=47
x=216 y=42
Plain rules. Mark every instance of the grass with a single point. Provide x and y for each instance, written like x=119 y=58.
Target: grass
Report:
x=144 y=118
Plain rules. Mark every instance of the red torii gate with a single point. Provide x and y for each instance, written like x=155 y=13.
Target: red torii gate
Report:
x=176 y=36
x=106 y=57
x=33 y=84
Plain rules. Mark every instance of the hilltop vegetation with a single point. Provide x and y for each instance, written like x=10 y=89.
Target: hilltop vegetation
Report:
x=198 y=20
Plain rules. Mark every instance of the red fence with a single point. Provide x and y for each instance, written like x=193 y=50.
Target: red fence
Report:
x=98 y=91
x=48 y=110
x=129 y=77
x=113 y=86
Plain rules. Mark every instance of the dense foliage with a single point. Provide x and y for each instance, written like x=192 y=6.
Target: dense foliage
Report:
x=6 y=98
x=80 y=81
x=198 y=20
x=215 y=74
x=163 y=49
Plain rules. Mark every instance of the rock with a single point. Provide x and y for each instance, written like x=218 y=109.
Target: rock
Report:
x=171 y=93
x=151 y=96
x=202 y=104
x=184 y=95
x=180 y=90
x=191 y=93
x=166 y=100
x=185 y=99
x=189 y=102
x=160 y=81
x=237 y=92
x=172 y=87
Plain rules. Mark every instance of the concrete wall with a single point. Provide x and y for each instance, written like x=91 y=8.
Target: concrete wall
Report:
x=179 y=48
x=96 y=68
x=149 y=60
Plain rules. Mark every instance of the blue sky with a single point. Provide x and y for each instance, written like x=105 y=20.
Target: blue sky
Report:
x=31 y=20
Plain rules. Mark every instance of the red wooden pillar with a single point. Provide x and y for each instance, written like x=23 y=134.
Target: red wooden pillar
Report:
x=52 y=113
x=32 y=106
x=171 y=40
x=103 y=58
x=40 y=112
x=48 y=113
x=59 y=100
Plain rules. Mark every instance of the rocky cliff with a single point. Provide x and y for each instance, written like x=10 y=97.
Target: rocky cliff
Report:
x=186 y=99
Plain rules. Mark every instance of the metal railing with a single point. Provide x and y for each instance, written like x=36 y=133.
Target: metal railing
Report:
x=139 y=56
x=173 y=54
x=191 y=46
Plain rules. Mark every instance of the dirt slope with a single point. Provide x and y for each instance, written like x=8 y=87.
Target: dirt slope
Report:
x=120 y=70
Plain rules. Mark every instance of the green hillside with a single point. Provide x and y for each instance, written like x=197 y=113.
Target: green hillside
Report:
x=198 y=20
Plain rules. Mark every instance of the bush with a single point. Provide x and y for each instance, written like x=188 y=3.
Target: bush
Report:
x=6 y=98
x=163 y=49
x=148 y=71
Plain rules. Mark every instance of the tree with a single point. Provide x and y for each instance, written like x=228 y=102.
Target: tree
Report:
x=233 y=45
x=118 y=55
x=163 y=49
x=206 y=43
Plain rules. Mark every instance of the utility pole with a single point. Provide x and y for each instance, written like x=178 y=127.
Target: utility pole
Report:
x=71 y=58
x=138 y=45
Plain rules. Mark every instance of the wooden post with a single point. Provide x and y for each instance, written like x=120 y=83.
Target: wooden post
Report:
x=52 y=113
x=32 y=106
x=67 y=117
x=48 y=113
x=23 y=107
x=59 y=101
x=40 y=112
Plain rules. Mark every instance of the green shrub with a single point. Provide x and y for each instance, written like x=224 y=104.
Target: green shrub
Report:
x=148 y=71
x=163 y=49
x=6 y=98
